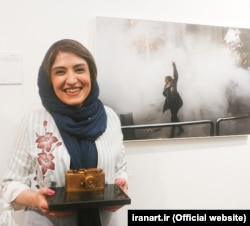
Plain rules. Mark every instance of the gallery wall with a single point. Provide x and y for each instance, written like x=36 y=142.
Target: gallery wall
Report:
x=29 y=27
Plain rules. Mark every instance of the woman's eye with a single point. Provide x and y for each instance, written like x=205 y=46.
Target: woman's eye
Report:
x=60 y=72
x=80 y=70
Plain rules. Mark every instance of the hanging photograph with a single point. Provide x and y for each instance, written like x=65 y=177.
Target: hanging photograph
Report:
x=174 y=80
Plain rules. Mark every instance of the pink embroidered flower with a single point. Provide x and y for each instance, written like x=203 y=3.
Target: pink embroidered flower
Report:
x=46 y=141
x=45 y=160
x=45 y=165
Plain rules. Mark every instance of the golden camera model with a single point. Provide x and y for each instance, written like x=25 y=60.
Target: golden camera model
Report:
x=91 y=179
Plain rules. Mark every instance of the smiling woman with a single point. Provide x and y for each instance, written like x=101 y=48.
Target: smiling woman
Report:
x=70 y=77
x=73 y=130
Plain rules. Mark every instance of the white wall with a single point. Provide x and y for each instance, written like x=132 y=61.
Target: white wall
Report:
x=204 y=173
x=193 y=173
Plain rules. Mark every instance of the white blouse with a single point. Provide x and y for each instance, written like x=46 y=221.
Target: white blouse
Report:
x=40 y=159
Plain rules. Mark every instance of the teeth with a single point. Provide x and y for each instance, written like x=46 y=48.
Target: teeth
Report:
x=72 y=90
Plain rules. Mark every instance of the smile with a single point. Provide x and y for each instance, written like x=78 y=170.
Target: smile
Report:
x=72 y=90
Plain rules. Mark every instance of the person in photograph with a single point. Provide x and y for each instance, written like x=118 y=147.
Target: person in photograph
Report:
x=173 y=100
x=73 y=130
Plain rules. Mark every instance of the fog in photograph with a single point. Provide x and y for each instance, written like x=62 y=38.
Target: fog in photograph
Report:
x=213 y=63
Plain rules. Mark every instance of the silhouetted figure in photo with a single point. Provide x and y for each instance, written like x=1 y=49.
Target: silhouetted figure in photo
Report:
x=173 y=100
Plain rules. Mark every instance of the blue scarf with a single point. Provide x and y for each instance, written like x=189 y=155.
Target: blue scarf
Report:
x=79 y=127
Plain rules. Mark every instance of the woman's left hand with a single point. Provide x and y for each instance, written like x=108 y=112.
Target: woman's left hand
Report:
x=122 y=183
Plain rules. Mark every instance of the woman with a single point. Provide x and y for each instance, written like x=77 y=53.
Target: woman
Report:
x=173 y=100
x=73 y=130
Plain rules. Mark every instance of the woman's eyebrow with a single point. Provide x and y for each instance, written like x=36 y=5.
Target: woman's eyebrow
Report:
x=80 y=65
x=57 y=68
x=63 y=67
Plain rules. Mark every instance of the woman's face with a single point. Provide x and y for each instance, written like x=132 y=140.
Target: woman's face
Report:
x=70 y=78
x=168 y=82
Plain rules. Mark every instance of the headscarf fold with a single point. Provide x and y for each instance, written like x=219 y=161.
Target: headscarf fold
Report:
x=78 y=126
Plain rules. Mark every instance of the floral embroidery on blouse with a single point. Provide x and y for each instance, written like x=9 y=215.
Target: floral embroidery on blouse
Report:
x=47 y=143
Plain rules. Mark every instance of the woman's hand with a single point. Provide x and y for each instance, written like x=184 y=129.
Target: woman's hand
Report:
x=40 y=199
x=42 y=203
x=122 y=183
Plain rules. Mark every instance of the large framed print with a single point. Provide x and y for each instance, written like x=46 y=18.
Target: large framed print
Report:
x=134 y=57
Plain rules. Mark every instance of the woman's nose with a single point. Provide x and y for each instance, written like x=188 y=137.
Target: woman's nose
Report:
x=71 y=78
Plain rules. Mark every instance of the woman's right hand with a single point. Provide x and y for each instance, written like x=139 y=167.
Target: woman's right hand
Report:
x=42 y=203
x=38 y=200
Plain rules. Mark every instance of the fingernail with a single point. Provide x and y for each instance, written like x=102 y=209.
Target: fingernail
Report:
x=51 y=192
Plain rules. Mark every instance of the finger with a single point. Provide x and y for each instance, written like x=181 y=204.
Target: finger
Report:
x=59 y=213
x=46 y=191
x=42 y=203
x=50 y=192
x=120 y=182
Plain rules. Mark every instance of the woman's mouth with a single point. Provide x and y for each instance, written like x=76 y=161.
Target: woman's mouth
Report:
x=72 y=90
